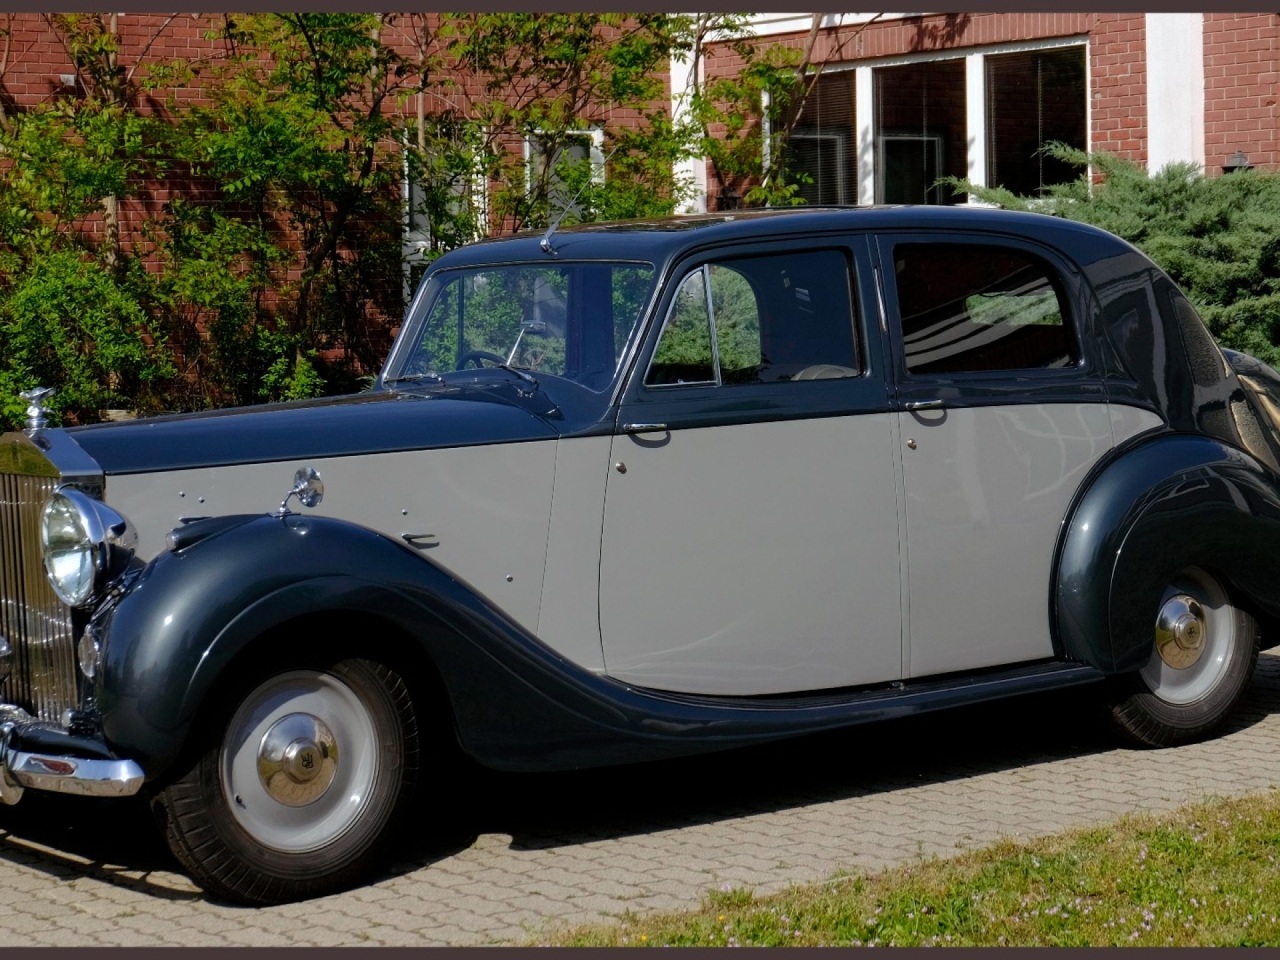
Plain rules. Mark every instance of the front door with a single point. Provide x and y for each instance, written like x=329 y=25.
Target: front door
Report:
x=750 y=539
x=1000 y=419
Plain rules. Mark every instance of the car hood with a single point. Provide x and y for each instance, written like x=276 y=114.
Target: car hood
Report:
x=380 y=422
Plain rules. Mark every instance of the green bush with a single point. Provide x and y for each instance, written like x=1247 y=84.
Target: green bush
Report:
x=1217 y=237
x=71 y=324
x=274 y=264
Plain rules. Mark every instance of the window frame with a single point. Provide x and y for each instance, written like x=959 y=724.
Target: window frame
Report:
x=869 y=168
x=1066 y=278
x=738 y=404
x=705 y=271
x=840 y=137
x=986 y=153
x=703 y=265
x=594 y=135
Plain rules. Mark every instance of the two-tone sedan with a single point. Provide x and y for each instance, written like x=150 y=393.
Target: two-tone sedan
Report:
x=628 y=491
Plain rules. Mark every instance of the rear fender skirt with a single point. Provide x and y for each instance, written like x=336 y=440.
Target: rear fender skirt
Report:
x=1171 y=502
x=516 y=704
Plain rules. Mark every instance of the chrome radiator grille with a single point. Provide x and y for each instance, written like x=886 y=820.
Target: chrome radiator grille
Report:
x=36 y=623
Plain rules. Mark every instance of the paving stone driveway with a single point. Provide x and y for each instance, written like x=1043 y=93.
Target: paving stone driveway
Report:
x=564 y=849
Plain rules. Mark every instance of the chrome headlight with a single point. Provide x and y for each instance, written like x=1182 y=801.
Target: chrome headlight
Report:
x=85 y=545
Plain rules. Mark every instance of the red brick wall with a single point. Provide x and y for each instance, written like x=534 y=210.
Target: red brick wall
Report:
x=1118 y=64
x=1240 y=88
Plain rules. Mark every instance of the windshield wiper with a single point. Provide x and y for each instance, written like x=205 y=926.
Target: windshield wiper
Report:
x=413 y=377
x=523 y=375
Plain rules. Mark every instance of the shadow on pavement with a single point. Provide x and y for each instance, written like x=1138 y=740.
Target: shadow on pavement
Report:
x=116 y=841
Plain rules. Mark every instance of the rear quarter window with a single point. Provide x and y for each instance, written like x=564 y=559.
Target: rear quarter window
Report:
x=967 y=308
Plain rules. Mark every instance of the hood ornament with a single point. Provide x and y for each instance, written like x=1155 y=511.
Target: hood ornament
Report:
x=36 y=413
x=307 y=487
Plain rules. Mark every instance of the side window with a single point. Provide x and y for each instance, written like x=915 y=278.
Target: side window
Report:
x=772 y=319
x=685 y=354
x=968 y=308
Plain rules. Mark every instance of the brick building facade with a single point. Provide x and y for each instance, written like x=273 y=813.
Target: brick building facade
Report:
x=904 y=97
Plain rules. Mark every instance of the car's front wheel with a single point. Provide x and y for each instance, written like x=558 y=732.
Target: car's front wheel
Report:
x=1204 y=649
x=300 y=776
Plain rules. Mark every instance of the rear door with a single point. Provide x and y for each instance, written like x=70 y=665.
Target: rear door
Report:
x=750 y=540
x=1001 y=416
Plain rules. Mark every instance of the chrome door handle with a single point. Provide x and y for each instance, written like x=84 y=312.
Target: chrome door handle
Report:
x=924 y=404
x=644 y=428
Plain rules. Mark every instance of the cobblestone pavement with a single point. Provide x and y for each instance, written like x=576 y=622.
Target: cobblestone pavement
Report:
x=532 y=851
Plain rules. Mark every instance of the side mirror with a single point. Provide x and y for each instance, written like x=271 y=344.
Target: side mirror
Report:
x=307 y=487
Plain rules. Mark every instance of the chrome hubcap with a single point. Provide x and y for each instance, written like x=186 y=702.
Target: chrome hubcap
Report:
x=297 y=759
x=1180 y=631
x=1195 y=635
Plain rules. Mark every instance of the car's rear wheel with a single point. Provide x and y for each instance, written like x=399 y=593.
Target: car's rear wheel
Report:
x=300 y=776
x=1203 y=653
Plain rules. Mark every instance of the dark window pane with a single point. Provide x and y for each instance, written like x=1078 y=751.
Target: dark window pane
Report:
x=786 y=317
x=920 y=131
x=823 y=141
x=967 y=308
x=776 y=318
x=1034 y=99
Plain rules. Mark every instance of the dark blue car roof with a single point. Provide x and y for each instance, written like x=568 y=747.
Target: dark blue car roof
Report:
x=659 y=240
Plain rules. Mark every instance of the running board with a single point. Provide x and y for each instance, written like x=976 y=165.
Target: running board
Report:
x=750 y=718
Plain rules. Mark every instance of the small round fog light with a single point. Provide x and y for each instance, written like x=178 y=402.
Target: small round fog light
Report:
x=88 y=651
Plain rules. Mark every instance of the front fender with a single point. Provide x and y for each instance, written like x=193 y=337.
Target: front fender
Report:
x=191 y=612
x=1172 y=502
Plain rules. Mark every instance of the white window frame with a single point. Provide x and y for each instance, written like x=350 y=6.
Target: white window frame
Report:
x=975 y=100
x=883 y=138
x=596 y=151
x=842 y=152
x=417 y=241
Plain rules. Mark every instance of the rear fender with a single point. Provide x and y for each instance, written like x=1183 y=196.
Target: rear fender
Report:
x=1171 y=502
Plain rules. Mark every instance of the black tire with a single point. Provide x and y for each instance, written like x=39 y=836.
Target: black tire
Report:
x=1164 y=704
x=212 y=830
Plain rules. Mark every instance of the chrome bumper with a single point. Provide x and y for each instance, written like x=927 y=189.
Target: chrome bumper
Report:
x=85 y=776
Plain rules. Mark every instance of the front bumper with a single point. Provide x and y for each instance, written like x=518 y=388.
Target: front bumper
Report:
x=81 y=767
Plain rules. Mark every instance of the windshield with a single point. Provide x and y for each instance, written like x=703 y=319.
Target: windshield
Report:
x=568 y=320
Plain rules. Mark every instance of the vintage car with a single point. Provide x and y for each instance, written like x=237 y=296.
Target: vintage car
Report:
x=633 y=490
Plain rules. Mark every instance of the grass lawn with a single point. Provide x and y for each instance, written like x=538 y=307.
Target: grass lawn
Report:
x=1203 y=875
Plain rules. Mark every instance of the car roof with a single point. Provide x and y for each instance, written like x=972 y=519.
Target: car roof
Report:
x=657 y=240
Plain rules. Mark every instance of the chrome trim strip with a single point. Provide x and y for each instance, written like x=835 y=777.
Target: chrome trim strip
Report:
x=711 y=319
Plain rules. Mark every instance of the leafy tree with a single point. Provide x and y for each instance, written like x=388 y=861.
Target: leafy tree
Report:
x=279 y=266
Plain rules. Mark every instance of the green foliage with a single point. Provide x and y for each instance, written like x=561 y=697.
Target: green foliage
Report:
x=738 y=120
x=550 y=79
x=71 y=324
x=1218 y=238
x=277 y=264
